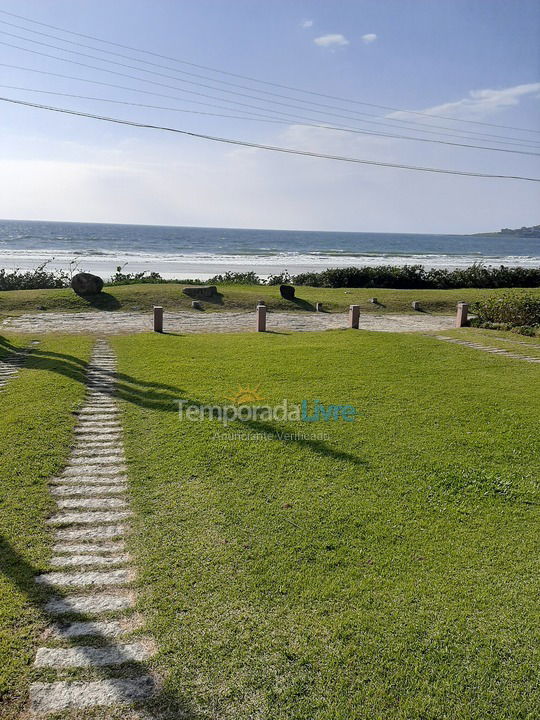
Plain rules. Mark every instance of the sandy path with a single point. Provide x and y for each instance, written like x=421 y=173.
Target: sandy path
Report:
x=112 y=323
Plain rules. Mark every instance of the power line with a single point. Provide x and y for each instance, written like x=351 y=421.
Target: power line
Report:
x=266 y=120
x=264 y=82
x=260 y=146
x=237 y=102
x=290 y=118
x=183 y=72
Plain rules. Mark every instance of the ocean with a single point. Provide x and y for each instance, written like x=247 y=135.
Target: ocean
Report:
x=195 y=252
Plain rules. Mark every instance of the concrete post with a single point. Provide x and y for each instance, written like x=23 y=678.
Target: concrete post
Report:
x=354 y=316
x=158 y=318
x=261 y=318
x=462 y=314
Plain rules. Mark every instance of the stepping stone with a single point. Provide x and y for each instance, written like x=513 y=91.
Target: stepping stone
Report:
x=96 y=603
x=83 y=444
x=108 y=628
x=86 y=478
x=116 y=469
x=94 y=470
x=85 y=518
x=88 y=459
x=87 y=656
x=98 y=451
x=110 y=410
x=86 y=578
x=98 y=416
x=99 y=437
x=92 y=431
x=102 y=547
x=92 y=503
x=80 y=560
x=103 y=532
x=92 y=490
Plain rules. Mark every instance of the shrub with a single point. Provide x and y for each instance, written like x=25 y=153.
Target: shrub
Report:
x=525 y=330
x=416 y=277
x=120 y=278
x=283 y=278
x=37 y=279
x=511 y=310
x=236 y=278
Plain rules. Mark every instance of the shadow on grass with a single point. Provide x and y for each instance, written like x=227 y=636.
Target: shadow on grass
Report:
x=22 y=575
x=164 y=398
x=215 y=299
x=304 y=304
x=149 y=395
x=102 y=301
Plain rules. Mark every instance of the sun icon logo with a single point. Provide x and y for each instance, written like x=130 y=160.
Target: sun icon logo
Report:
x=246 y=396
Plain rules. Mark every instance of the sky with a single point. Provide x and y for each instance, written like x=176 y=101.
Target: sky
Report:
x=470 y=61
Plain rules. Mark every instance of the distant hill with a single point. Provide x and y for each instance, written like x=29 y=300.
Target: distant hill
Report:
x=526 y=232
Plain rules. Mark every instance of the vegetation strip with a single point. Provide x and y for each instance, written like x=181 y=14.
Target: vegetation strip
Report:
x=92 y=521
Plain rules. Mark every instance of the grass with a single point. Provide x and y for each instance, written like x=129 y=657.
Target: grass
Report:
x=239 y=297
x=386 y=571
x=35 y=433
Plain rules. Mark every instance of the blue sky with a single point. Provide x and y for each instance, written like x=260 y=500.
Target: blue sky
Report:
x=464 y=59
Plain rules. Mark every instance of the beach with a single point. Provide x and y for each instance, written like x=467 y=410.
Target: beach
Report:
x=187 y=252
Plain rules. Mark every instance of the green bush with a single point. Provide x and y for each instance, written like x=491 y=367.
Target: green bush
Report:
x=511 y=310
x=37 y=279
x=417 y=277
x=236 y=278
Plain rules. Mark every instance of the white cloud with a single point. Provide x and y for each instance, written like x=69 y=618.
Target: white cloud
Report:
x=306 y=23
x=479 y=103
x=331 y=40
x=369 y=38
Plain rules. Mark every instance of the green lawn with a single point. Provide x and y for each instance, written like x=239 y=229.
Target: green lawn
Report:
x=239 y=297
x=36 y=421
x=388 y=571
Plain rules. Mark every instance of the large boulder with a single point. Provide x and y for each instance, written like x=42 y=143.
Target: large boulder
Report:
x=200 y=292
x=286 y=292
x=86 y=284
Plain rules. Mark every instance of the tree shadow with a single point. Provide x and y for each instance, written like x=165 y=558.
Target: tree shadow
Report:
x=162 y=397
x=22 y=574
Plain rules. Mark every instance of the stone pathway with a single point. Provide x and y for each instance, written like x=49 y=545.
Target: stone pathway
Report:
x=489 y=349
x=112 y=323
x=530 y=345
x=94 y=626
